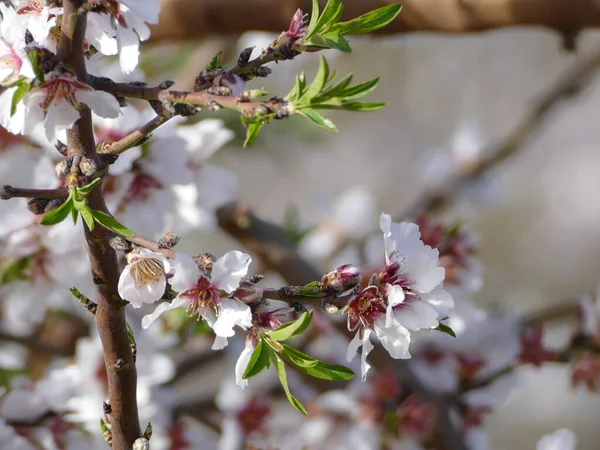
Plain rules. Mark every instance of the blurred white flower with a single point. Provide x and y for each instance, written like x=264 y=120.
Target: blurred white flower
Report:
x=14 y=62
x=562 y=439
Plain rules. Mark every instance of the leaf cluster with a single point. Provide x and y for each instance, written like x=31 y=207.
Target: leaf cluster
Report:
x=271 y=350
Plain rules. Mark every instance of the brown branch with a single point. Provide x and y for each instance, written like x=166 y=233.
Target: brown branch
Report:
x=7 y=192
x=136 y=137
x=34 y=343
x=110 y=315
x=193 y=19
x=150 y=245
x=202 y=98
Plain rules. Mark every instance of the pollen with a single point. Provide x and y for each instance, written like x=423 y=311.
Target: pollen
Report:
x=147 y=270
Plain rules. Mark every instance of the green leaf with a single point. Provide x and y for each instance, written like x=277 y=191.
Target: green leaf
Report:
x=353 y=106
x=14 y=270
x=35 y=63
x=333 y=90
x=359 y=90
x=318 y=119
x=259 y=360
x=130 y=335
x=8 y=375
x=318 y=83
x=86 y=214
x=445 y=329
x=314 y=17
x=331 y=14
x=298 y=89
x=215 y=63
x=252 y=133
x=59 y=214
x=85 y=190
x=278 y=362
x=293 y=329
x=338 y=42
x=18 y=95
x=110 y=223
x=74 y=215
x=371 y=21
x=315 y=367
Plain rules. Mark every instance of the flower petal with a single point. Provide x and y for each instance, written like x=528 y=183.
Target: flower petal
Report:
x=395 y=339
x=185 y=272
x=163 y=307
x=138 y=294
x=232 y=313
x=242 y=364
x=229 y=270
x=395 y=296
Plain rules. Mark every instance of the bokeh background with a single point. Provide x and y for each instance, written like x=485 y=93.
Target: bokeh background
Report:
x=452 y=100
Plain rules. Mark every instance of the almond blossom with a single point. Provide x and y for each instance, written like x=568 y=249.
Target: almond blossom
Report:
x=144 y=278
x=405 y=297
x=207 y=295
x=56 y=103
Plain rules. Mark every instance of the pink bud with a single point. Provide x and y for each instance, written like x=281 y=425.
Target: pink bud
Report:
x=341 y=279
x=248 y=292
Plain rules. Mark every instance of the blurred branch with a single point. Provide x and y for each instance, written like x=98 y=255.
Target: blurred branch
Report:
x=194 y=19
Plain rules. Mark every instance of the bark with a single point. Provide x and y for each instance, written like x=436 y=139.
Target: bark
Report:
x=194 y=19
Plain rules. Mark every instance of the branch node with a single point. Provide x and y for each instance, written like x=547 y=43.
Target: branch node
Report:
x=7 y=192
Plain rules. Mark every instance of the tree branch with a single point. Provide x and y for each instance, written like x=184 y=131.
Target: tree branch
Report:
x=193 y=19
x=110 y=316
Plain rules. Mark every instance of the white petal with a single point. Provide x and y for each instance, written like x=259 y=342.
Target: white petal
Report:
x=395 y=297
x=232 y=313
x=423 y=266
x=129 y=49
x=220 y=343
x=242 y=364
x=102 y=103
x=229 y=270
x=367 y=347
x=185 y=272
x=60 y=116
x=138 y=294
x=163 y=307
x=416 y=316
x=395 y=339
x=440 y=300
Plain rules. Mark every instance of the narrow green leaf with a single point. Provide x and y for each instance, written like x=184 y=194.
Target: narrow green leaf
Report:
x=18 y=95
x=74 y=215
x=259 y=360
x=278 y=362
x=338 y=42
x=318 y=83
x=314 y=17
x=371 y=21
x=85 y=190
x=445 y=329
x=293 y=329
x=110 y=223
x=331 y=13
x=332 y=90
x=315 y=367
x=86 y=214
x=252 y=133
x=353 y=106
x=13 y=270
x=359 y=90
x=59 y=214
x=318 y=119
x=130 y=335
x=35 y=63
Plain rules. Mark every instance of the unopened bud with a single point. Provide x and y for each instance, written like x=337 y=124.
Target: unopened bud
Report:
x=120 y=244
x=141 y=444
x=53 y=204
x=169 y=240
x=62 y=148
x=341 y=279
x=166 y=84
x=88 y=167
x=37 y=205
x=213 y=105
x=245 y=56
x=205 y=261
x=262 y=71
x=232 y=81
x=248 y=292
x=6 y=192
x=63 y=167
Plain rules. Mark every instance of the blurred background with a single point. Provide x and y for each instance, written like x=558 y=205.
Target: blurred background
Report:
x=452 y=101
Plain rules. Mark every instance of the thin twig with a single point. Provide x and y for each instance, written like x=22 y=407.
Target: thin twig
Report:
x=134 y=138
x=7 y=192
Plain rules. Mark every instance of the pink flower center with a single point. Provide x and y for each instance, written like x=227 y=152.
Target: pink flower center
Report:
x=62 y=88
x=365 y=308
x=11 y=60
x=204 y=298
x=141 y=186
x=252 y=416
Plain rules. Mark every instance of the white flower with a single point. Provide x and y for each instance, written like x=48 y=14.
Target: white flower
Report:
x=56 y=103
x=144 y=278
x=562 y=439
x=39 y=19
x=206 y=296
x=242 y=362
x=14 y=62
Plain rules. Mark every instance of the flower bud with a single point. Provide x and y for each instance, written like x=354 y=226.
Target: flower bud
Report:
x=37 y=205
x=169 y=240
x=245 y=56
x=141 y=444
x=63 y=167
x=248 y=292
x=205 y=261
x=341 y=279
x=88 y=167
x=231 y=81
